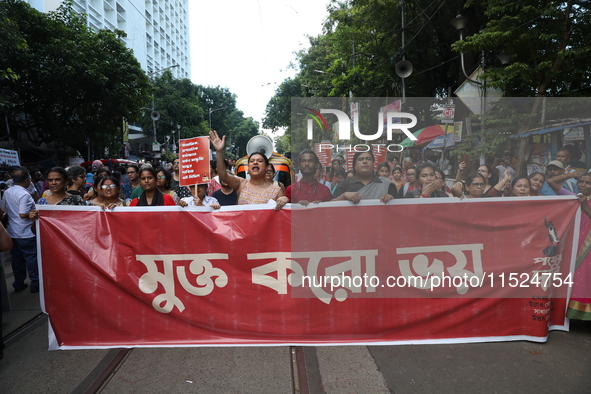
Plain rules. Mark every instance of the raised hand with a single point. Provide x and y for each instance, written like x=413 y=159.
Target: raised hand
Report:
x=217 y=142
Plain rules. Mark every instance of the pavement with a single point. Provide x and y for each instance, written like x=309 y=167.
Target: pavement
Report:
x=562 y=365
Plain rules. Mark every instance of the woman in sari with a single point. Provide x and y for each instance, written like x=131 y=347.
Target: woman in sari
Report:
x=57 y=179
x=364 y=185
x=579 y=306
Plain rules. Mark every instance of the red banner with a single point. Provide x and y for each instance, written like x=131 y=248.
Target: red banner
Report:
x=174 y=277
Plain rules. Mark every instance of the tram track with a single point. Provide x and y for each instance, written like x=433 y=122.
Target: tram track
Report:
x=97 y=380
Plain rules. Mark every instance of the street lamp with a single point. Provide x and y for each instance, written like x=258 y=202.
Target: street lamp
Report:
x=155 y=115
x=460 y=22
x=212 y=111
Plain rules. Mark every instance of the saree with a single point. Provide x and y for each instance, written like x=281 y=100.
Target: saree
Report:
x=579 y=306
x=375 y=190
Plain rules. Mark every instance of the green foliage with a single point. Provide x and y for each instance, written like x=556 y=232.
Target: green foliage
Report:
x=548 y=44
x=283 y=143
x=74 y=85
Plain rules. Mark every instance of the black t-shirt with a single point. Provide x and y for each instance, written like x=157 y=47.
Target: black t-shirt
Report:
x=225 y=199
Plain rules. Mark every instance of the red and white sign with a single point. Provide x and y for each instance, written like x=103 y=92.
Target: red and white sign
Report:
x=394 y=106
x=258 y=276
x=194 y=161
x=323 y=154
x=448 y=113
x=379 y=154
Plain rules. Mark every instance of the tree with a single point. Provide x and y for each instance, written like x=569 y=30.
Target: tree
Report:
x=547 y=43
x=283 y=143
x=74 y=86
x=178 y=102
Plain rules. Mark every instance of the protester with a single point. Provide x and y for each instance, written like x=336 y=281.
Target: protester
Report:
x=335 y=167
x=536 y=179
x=579 y=306
x=520 y=187
x=270 y=177
x=429 y=185
x=384 y=170
x=410 y=185
x=440 y=176
x=151 y=196
x=490 y=175
x=163 y=179
x=364 y=185
x=475 y=185
x=176 y=177
x=20 y=210
x=559 y=180
x=563 y=156
x=199 y=198
x=57 y=179
x=108 y=189
x=308 y=189
x=397 y=178
x=226 y=195
x=340 y=177
x=37 y=179
x=214 y=184
x=255 y=190
x=5 y=245
x=133 y=172
x=76 y=181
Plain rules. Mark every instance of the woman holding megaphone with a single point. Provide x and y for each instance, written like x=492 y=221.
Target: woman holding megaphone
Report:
x=256 y=190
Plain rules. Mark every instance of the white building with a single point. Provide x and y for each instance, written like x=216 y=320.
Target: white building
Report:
x=157 y=30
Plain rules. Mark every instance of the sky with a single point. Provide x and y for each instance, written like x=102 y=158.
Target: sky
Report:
x=247 y=45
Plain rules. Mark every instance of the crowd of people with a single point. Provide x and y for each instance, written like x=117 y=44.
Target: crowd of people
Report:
x=147 y=185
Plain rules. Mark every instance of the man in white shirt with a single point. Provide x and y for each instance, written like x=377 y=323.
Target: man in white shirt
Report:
x=20 y=208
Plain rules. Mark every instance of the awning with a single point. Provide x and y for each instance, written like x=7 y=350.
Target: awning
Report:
x=426 y=135
x=548 y=130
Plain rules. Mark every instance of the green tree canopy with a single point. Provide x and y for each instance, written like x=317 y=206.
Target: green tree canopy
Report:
x=74 y=85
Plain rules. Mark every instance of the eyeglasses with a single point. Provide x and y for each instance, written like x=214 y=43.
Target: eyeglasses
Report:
x=111 y=186
x=410 y=174
x=130 y=172
x=161 y=176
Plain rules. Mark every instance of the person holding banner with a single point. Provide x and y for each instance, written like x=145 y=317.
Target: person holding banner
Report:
x=151 y=196
x=364 y=185
x=255 y=190
x=579 y=306
x=107 y=188
x=308 y=189
x=57 y=179
x=200 y=199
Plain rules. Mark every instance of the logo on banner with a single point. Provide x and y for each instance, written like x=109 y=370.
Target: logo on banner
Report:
x=344 y=124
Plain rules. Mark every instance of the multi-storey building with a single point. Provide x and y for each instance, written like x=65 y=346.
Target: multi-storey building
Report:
x=157 y=30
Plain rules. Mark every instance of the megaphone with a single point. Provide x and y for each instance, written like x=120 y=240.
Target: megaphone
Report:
x=403 y=68
x=261 y=144
x=155 y=115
